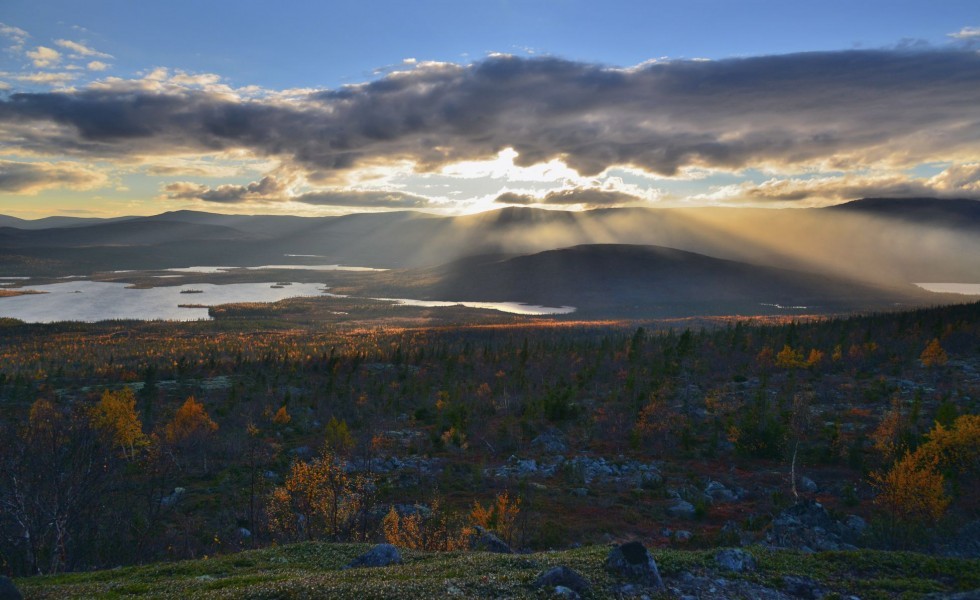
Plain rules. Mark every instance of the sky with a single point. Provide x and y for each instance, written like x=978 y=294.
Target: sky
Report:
x=112 y=108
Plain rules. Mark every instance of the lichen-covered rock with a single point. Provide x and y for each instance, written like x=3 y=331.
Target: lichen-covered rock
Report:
x=563 y=577
x=381 y=555
x=9 y=591
x=735 y=560
x=633 y=561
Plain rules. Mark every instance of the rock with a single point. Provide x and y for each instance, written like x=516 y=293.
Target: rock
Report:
x=632 y=560
x=681 y=509
x=381 y=555
x=683 y=536
x=564 y=592
x=551 y=442
x=808 y=485
x=170 y=500
x=735 y=560
x=806 y=526
x=803 y=587
x=563 y=577
x=486 y=541
x=244 y=533
x=580 y=492
x=9 y=591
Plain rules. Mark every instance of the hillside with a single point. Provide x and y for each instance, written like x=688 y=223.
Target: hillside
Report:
x=314 y=570
x=624 y=280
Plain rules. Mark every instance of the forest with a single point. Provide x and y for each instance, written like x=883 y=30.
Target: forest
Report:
x=133 y=442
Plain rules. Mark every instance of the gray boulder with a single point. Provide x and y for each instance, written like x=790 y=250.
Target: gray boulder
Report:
x=486 y=541
x=633 y=561
x=9 y=591
x=681 y=509
x=563 y=577
x=381 y=555
x=735 y=560
x=971 y=595
x=803 y=587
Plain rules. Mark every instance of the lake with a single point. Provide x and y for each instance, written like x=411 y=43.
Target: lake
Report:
x=99 y=300
x=91 y=301
x=970 y=289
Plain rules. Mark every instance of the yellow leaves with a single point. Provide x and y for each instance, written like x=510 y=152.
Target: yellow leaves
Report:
x=956 y=448
x=933 y=355
x=337 y=437
x=435 y=532
x=191 y=420
x=912 y=490
x=788 y=358
x=115 y=415
x=501 y=516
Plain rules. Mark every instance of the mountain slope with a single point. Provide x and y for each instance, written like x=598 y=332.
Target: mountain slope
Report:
x=618 y=279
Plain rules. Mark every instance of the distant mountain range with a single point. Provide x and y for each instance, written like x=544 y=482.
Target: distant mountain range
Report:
x=866 y=251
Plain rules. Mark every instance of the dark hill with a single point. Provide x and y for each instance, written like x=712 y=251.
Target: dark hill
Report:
x=617 y=279
x=121 y=233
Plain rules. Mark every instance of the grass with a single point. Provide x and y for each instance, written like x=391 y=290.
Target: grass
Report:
x=313 y=570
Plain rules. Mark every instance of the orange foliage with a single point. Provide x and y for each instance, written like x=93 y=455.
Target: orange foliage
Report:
x=501 y=516
x=282 y=416
x=435 y=532
x=934 y=355
x=190 y=421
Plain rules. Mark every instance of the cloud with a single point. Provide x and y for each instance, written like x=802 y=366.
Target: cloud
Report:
x=80 y=50
x=31 y=178
x=588 y=197
x=16 y=35
x=848 y=110
x=46 y=78
x=966 y=34
x=97 y=65
x=44 y=57
x=271 y=189
x=957 y=181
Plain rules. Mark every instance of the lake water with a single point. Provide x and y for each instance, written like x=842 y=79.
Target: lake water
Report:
x=211 y=269
x=98 y=300
x=517 y=308
x=971 y=289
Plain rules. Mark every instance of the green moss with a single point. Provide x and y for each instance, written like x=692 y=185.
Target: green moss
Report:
x=313 y=570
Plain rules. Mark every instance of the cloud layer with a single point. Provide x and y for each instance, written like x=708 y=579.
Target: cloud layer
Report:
x=841 y=107
x=30 y=178
x=847 y=111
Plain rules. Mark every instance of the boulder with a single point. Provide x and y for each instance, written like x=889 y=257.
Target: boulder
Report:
x=735 y=560
x=807 y=526
x=562 y=577
x=381 y=555
x=633 y=561
x=803 y=587
x=9 y=591
x=681 y=509
x=486 y=541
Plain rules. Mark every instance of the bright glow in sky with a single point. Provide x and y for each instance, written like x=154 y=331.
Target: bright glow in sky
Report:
x=114 y=107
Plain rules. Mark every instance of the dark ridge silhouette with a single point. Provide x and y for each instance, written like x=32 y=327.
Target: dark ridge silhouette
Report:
x=618 y=279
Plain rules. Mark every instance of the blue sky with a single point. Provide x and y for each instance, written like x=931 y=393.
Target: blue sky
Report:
x=256 y=51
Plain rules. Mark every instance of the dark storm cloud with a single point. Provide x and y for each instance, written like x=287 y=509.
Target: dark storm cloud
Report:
x=30 y=178
x=588 y=197
x=843 y=109
x=270 y=190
